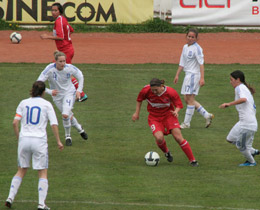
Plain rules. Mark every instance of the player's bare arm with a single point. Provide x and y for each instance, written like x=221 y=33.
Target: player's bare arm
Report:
x=16 y=127
x=137 y=111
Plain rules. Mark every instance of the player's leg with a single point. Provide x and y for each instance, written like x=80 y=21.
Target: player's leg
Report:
x=79 y=128
x=157 y=129
x=42 y=188
x=185 y=146
x=189 y=99
x=208 y=116
x=24 y=158
x=243 y=144
x=15 y=185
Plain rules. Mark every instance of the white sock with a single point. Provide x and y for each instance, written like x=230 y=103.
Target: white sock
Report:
x=67 y=126
x=15 y=184
x=203 y=112
x=42 y=190
x=248 y=155
x=189 y=113
x=75 y=124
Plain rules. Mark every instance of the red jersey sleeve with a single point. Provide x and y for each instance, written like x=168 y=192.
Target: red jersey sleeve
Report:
x=71 y=29
x=142 y=95
x=175 y=98
x=59 y=27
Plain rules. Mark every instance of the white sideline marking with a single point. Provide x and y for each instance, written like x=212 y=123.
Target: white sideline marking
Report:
x=133 y=204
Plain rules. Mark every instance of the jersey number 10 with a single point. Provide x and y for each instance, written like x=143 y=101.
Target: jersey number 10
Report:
x=33 y=115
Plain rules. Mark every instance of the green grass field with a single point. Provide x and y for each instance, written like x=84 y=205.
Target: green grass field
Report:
x=108 y=171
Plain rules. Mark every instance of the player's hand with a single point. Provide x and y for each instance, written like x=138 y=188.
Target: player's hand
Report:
x=174 y=113
x=60 y=146
x=78 y=95
x=135 y=117
x=175 y=81
x=43 y=36
x=54 y=92
x=223 y=106
x=202 y=82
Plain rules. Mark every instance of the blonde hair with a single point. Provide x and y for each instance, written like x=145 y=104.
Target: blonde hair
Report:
x=57 y=54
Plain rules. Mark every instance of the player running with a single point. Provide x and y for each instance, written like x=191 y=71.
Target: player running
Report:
x=63 y=92
x=163 y=106
x=61 y=34
x=33 y=114
x=242 y=134
x=192 y=62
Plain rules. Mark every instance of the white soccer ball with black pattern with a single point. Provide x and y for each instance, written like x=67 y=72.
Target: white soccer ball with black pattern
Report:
x=152 y=158
x=15 y=37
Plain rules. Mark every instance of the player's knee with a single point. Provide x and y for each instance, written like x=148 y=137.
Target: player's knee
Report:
x=65 y=116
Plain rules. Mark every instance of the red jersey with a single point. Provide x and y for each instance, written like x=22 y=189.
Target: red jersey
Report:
x=63 y=29
x=160 y=105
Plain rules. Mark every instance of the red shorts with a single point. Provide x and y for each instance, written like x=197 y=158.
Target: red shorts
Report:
x=164 y=124
x=69 y=55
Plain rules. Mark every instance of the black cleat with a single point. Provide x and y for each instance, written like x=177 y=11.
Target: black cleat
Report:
x=68 y=141
x=84 y=135
x=169 y=156
x=194 y=163
x=8 y=202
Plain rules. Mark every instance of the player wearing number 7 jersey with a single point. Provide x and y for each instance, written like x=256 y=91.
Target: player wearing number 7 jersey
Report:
x=33 y=114
x=63 y=92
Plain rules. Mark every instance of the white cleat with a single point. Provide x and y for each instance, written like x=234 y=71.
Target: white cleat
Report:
x=184 y=125
x=43 y=207
x=209 y=120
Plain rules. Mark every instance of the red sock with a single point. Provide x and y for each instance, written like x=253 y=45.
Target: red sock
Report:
x=163 y=146
x=76 y=85
x=185 y=146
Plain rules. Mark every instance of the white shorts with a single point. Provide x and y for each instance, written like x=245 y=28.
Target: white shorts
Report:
x=190 y=85
x=243 y=138
x=35 y=149
x=65 y=104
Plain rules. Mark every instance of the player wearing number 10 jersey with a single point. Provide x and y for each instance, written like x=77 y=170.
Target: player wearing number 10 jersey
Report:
x=33 y=114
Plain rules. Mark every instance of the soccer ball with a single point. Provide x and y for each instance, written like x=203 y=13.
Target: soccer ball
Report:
x=15 y=37
x=152 y=158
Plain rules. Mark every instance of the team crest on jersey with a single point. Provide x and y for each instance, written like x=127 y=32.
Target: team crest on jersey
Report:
x=190 y=54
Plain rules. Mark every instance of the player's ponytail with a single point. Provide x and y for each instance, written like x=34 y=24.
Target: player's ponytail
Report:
x=239 y=74
x=156 y=82
x=37 y=89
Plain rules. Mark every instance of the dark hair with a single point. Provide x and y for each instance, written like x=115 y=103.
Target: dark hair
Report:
x=240 y=75
x=37 y=89
x=156 y=82
x=194 y=30
x=60 y=8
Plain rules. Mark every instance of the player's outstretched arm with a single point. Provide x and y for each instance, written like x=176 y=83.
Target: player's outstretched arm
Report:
x=137 y=111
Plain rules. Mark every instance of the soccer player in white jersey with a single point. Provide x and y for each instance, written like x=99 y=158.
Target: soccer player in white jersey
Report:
x=63 y=92
x=242 y=134
x=33 y=114
x=192 y=63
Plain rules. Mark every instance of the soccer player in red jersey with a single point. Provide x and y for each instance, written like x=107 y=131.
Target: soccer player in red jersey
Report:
x=61 y=34
x=163 y=106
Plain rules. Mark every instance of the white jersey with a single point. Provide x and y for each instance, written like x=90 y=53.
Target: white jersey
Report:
x=191 y=58
x=34 y=114
x=61 y=79
x=247 y=110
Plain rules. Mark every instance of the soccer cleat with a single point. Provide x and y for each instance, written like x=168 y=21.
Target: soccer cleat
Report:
x=184 y=125
x=8 y=202
x=84 y=98
x=256 y=153
x=83 y=134
x=194 y=163
x=43 y=207
x=209 y=120
x=68 y=141
x=247 y=163
x=169 y=156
